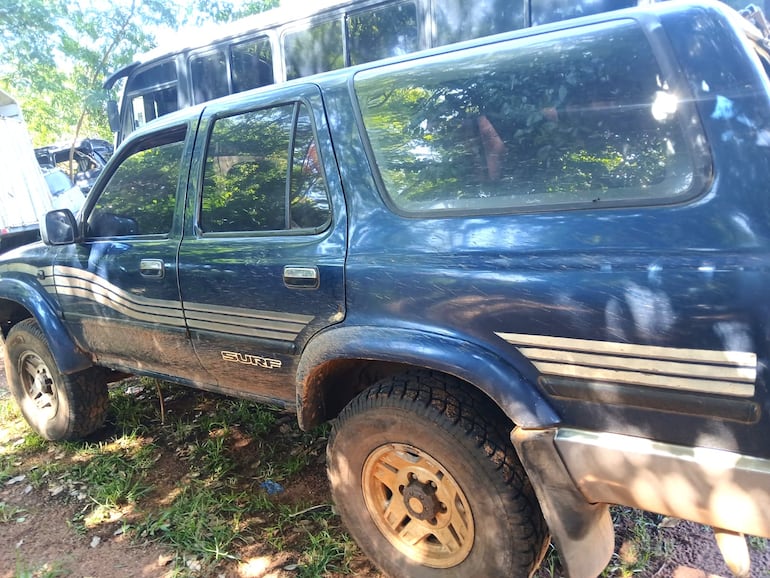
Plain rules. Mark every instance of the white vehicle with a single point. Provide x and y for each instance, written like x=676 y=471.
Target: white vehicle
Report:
x=24 y=195
x=65 y=194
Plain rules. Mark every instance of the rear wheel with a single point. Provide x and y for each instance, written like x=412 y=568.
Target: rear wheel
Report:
x=57 y=406
x=428 y=485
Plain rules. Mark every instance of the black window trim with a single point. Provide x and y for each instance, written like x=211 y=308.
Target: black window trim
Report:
x=297 y=103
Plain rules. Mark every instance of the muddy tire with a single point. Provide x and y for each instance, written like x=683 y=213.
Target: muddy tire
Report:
x=428 y=484
x=57 y=406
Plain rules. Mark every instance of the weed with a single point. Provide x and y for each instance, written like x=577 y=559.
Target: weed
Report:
x=551 y=565
x=133 y=406
x=643 y=545
x=203 y=520
x=9 y=513
x=38 y=475
x=325 y=553
x=758 y=544
x=47 y=570
x=31 y=443
x=253 y=418
x=212 y=455
x=7 y=470
x=111 y=475
x=9 y=411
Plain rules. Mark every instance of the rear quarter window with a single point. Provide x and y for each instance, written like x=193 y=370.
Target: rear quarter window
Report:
x=529 y=124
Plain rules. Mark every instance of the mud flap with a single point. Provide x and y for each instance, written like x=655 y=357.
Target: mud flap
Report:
x=582 y=532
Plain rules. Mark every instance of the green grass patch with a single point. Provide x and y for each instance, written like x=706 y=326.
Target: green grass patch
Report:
x=202 y=519
x=186 y=470
x=47 y=570
x=643 y=547
x=10 y=513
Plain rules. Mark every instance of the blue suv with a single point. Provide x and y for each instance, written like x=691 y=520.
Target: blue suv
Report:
x=524 y=276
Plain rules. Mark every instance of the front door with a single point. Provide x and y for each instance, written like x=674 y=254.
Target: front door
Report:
x=119 y=288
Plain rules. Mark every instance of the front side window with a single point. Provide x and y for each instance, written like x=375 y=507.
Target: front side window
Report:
x=317 y=49
x=140 y=197
x=530 y=124
x=262 y=174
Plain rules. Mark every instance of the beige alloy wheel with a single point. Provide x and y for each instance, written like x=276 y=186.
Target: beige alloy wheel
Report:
x=418 y=506
x=428 y=484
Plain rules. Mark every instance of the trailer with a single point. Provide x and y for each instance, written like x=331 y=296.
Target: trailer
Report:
x=24 y=194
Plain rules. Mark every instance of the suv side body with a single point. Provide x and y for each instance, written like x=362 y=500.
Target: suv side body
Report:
x=590 y=270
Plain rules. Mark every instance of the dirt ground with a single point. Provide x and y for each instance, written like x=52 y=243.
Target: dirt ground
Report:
x=46 y=535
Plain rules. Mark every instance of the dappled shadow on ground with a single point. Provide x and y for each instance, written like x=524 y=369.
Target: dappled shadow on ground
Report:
x=52 y=526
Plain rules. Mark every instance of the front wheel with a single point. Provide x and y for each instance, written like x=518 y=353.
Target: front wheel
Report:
x=57 y=406
x=428 y=485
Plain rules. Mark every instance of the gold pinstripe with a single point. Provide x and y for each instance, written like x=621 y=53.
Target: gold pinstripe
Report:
x=731 y=373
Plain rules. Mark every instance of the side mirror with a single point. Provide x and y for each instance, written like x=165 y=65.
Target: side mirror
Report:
x=113 y=115
x=59 y=228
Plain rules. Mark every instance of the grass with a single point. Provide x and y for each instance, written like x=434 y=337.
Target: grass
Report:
x=47 y=570
x=190 y=474
x=10 y=513
x=203 y=520
x=196 y=474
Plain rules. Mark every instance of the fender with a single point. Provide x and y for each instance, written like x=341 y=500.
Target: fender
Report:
x=68 y=356
x=494 y=376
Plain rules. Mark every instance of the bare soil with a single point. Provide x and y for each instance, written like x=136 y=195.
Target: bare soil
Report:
x=42 y=538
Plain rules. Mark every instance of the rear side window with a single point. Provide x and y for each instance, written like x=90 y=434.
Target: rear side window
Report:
x=263 y=174
x=529 y=123
x=251 y=64
x=457 y=20
x=209 y=76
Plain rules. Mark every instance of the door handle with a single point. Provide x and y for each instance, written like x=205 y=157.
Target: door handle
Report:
x=301 y=277
x=153 y=268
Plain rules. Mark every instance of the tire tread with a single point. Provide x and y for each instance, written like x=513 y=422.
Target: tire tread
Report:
x=457 y=407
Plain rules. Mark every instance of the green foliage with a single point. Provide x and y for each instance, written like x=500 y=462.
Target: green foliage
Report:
x=327 y=551
x=56 y=55
x=9 y=513
x=203 y=520
x=542 y=124
x=643 y=547
x=47 y=570
x=114 y=473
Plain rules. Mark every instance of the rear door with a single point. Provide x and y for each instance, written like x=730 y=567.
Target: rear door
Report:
x=261 y=262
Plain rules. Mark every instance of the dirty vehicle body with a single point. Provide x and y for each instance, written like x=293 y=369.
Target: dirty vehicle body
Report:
x=523 y=275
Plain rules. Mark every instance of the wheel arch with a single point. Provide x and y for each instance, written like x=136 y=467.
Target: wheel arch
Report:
x=18 y=301
x=340 y=362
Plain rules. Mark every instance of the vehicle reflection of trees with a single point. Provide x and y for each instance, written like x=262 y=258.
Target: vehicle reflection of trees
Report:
x=143 y=189
x=245 y=180
x=575 y=129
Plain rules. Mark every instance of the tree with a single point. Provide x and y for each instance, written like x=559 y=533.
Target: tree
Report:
x=55 y=56
x=27 y=31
